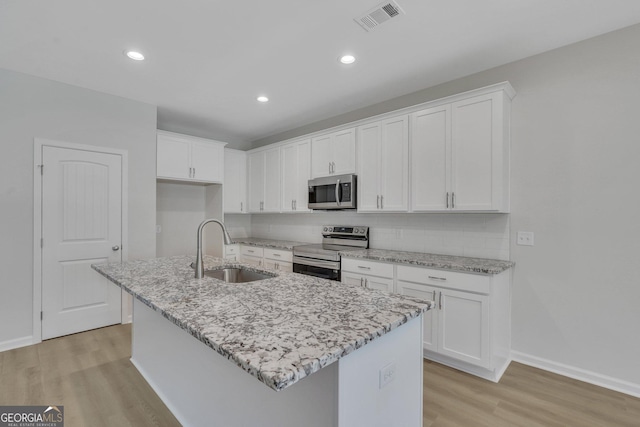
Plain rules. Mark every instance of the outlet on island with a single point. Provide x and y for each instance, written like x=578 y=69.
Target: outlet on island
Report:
x=387 y=374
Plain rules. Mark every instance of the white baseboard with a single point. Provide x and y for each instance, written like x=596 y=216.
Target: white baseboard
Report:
x=578 y=373
x=16 y=343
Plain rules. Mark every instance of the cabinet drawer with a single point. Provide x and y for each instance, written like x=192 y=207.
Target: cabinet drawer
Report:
x=445 y=279
x=372 y=268
x=231 y=250
x=252 y=251
x=278 y=254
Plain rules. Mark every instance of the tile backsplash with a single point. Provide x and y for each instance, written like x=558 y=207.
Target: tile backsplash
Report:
x=474 y=235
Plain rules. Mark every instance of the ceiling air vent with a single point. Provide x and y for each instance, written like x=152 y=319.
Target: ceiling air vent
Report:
x=379 y=14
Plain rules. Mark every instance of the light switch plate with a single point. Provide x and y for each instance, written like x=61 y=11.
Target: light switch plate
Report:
x=525 y=238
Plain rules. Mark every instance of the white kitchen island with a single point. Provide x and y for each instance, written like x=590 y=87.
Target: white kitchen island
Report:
x=319 y=353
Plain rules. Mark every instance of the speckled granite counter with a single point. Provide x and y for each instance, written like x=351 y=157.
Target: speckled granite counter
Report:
x=444 y=262
x=267 y=243
x=280 y=330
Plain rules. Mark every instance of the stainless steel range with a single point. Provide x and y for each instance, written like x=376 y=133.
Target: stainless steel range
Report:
x=323 y=259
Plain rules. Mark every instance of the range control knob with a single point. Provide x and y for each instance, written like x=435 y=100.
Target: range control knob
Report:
x=324 y=229
x=330 y=228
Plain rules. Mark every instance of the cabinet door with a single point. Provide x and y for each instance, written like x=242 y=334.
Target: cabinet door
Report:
x=255 y=164
x=173 y=158
x=430 y=159
x=287 y=267
x=301 y=201
x=235 y=181
x=207 y=161
x=344 y=152
x=352 y=279
x=463 y=331
x=369 y=143
x=321 y=156
x=272 y=180
x=251 y=260
x=430 y=329
x=296 y=160
x=394 y=165
x=379 y=283
x=475 y=138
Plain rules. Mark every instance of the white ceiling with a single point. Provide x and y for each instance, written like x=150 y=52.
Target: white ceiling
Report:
x=207 y=60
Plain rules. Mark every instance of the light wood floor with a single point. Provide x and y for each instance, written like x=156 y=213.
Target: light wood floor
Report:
x=91 y=375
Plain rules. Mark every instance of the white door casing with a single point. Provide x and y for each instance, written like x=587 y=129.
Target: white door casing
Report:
x=81 y=222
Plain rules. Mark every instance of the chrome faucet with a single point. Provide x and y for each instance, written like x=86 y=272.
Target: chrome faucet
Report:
x=227 y=241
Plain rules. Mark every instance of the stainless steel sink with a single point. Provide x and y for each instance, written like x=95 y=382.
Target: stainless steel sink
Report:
x=237 y=275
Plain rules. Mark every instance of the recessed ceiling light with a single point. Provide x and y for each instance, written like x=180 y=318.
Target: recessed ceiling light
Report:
x=136 y=56
x=347 y=59
x=262 y=99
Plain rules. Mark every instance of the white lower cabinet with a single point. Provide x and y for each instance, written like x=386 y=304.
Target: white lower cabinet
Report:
x=468 y=328
x=275 y=259
x=368 y=274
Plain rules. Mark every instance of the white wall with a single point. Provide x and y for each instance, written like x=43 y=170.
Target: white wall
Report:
x=574 y=182
x=34 y=107
x=475 y=235
x=180 y=209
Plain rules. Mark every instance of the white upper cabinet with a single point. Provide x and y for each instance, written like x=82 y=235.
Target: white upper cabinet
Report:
x=188 y=158
x=264 y=180
x=334 y=153
x=383 y=166
x=235 y=181
x=460 y=155
x=296 y=164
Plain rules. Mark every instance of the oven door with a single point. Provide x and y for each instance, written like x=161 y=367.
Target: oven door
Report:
x=329 y=270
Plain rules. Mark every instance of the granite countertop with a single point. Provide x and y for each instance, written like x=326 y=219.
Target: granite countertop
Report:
x=279 y=330
x=444 y=262
x=267 y=243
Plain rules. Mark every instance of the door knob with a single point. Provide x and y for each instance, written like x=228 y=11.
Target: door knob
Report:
x=115 y=248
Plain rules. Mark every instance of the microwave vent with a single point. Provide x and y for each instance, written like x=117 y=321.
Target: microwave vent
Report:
x=379 y=15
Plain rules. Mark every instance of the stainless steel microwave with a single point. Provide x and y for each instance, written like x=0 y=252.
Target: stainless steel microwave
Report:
x=333 y=192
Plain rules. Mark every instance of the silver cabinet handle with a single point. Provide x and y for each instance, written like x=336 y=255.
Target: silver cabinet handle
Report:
x=381 y=202
x=361 y=279
x=440 y=302
x=333 y=167
x=338 y=192
x=453 y=200
x=364 y=267
x=295 y=205
x=434 y=295
x=329 y=167
x=240 y=206
x=366 y=283
x=115 y=248
x=447 y=199
x=250 y=251
x=291 y=204
x=437 y=278
x=277 y=255
x=378 y=201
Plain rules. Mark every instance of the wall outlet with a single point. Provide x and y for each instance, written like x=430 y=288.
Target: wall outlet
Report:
x=387 y=374
x=525 y=238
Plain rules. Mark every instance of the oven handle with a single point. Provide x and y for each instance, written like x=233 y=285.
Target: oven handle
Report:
x=317 y=263
x=338 y=192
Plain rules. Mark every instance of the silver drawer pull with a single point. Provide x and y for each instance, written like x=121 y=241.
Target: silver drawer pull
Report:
x=437 y=278
x=249 y=250
x=277 y=255
x=364 y=268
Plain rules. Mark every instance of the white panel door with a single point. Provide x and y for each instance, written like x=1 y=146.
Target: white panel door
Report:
x=173 y=158
x=321 y=156
x=272 y=180
x=430 y=329
x=344 y=152
x=369 y=142
x=472 y=142
x=430 y=159
x=255 y=164
x=81 y=225
x=394 y=165
x=464 y=327
x=207 y=162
